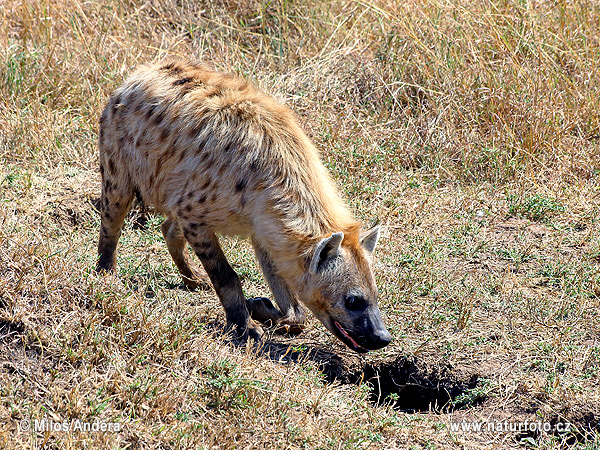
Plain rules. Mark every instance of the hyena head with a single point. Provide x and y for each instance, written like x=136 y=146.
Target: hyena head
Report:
x=341 y=291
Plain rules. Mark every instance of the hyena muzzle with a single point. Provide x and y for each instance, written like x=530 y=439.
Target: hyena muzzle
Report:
x=216 y=155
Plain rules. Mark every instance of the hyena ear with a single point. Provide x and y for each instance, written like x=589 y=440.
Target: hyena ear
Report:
x=325 y=249
x=369 y=239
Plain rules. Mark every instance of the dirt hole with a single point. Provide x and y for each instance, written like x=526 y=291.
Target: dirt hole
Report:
x=8 y=328
x=409 y=386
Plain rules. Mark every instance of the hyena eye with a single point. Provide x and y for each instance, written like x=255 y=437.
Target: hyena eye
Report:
x=355 y=303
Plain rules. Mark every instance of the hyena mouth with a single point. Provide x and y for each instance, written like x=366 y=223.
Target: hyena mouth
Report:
x=347 y=339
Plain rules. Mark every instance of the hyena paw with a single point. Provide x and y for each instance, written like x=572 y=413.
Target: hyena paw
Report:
x=242 y=333
x=263 y=310
x=255 y=332
x=105 y=265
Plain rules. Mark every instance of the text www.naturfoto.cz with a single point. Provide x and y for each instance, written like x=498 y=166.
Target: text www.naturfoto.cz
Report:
x=504 y=426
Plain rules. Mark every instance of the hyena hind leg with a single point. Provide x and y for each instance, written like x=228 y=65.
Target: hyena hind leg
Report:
x=193 y=277
x=226 y=282
x=291 y=316
x=115 y=203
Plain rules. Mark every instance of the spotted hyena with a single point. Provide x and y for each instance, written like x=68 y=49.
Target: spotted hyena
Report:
x=216 y=155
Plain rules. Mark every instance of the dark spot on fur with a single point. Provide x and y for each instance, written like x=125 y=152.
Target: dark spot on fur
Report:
x=195 y=131
x=202 y=198
x=158 y=118
x=254 y=165
x=150 y=111
x=111 y=166
x=164 y=134
x=181 y=156
x=101 y=170
x=189 y=232
x=206 y=184
x=229 y=147
x=241 y=184
x=188 y=207
x=173 y=68
x=107 y=185
x=183 y=81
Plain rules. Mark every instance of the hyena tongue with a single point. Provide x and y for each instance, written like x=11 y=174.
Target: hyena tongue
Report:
x=351 y=342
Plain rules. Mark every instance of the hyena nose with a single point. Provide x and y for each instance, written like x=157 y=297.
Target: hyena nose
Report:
x=384 y=337
x=379 y=339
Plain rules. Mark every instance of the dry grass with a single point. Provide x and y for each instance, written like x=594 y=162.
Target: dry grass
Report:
x=469 y=129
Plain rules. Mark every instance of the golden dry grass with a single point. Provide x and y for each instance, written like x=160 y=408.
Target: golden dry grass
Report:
x=469 y=129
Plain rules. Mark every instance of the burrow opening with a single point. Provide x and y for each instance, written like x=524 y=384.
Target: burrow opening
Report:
x=407 y=385
x=8 y=328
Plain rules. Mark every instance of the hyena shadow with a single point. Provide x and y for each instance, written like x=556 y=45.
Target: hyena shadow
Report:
x=332 y=365
x=285 y=349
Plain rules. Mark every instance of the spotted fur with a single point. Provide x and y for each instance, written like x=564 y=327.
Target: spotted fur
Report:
x=216 y=155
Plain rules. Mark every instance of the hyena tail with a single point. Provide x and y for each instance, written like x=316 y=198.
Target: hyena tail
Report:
x=117 y=197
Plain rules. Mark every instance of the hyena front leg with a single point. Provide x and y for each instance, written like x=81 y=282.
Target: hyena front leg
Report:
x=192 y=275
x=224 y=279
x=291 y=317
x=116 y=200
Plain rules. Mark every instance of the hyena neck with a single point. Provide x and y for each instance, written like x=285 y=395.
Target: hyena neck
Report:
x=291 y=255
x=301 y=203
x=291 y=243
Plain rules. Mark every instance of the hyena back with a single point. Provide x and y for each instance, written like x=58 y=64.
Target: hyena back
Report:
x=215 y=155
